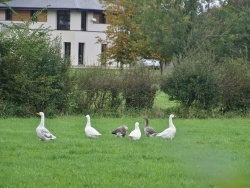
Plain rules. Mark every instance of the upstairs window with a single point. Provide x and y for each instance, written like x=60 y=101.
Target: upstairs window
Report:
x=32 y=15
x=100 y=17
x=83 y=21
x=63 y=20
x=8 y=15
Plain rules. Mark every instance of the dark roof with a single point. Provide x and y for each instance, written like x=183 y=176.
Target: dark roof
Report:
x=55 y=4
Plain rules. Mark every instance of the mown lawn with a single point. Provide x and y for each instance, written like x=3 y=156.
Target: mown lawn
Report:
x=204 y=153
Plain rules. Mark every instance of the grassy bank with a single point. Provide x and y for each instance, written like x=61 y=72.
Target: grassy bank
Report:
x=204 y=153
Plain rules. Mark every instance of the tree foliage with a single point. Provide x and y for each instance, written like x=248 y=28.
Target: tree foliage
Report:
x=123 y=36
x=222 y=30
x=149 y=29
x=166 y=27
x=224 y=33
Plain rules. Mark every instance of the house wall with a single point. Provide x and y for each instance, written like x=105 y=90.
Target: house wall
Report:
x=74 y=35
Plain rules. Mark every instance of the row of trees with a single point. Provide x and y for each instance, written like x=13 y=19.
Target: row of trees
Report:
x=164 y=29
x=208 y=42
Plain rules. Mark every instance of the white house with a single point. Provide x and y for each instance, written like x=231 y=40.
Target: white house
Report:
x=78 y=22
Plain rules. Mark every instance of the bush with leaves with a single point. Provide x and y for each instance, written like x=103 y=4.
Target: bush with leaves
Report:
x=139 y=88
x=32 y=71
x=235 y=86
x=97 y=90
x=193 y=82
x=105 y=91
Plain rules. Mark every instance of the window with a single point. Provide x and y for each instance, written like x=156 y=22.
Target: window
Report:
x=103 y=54
x=100 y=17
x=83 y=21
x=33 y=16
x=80 y=53
x=40 y=17
x=104 y=47
x=63 y=20
x=67 y=49
x=8 y=15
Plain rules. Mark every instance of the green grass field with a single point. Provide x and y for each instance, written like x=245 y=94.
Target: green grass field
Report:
x=204 y=153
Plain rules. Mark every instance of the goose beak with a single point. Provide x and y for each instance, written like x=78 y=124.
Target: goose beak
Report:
x=38 y=113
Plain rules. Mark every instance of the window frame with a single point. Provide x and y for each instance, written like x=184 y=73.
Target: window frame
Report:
x=67 y=49
x=64 y=16
x=35 y=18
x=83 y=21
x=81 y=48
x=8 y=15
x=100 y=17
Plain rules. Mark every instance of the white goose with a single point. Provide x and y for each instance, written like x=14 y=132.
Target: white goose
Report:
x=136 y=133
x=120 y=131
x=90 y=131
x=41 y=131
x=169 y=132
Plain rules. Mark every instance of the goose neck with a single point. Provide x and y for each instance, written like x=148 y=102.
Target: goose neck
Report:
x=42 y=121
x=88 y=122
x=137 y=127
x=171 y=122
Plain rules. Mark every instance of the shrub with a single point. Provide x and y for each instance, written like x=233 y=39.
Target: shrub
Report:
x=193 y=82
x=32 y=71
x=106 y=91
x=139 y=88
x=235 y=86
x=97 y=90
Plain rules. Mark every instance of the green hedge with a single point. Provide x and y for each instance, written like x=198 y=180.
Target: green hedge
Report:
x=32 y=72
x=204 y=87
x=112 y=91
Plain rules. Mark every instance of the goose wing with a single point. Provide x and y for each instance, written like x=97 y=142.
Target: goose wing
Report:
x=92 y=131
x=44 y=133
x=120 y=131
x=149 y=131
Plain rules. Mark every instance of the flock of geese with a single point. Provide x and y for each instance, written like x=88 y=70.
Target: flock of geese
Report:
x=44 y=134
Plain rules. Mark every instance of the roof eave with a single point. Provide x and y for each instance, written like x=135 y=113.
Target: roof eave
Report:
x=39 y=8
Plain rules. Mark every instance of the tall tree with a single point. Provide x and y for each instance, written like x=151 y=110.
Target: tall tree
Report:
x=123 y=38
x=224 y=31
x=166 y=26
